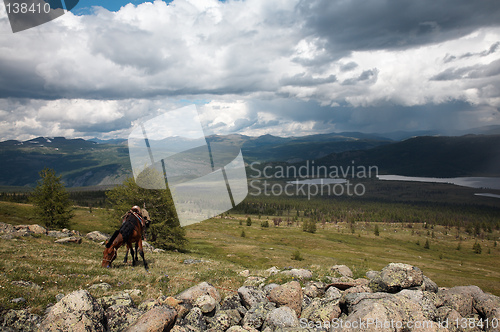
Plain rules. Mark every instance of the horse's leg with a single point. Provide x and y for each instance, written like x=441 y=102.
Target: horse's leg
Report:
x=141 y=251
x=136 y=250
x=126 y=254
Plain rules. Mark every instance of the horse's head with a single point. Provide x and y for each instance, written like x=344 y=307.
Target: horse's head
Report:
x=108 y=256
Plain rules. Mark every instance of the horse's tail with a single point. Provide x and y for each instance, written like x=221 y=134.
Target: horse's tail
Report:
x=113 y=237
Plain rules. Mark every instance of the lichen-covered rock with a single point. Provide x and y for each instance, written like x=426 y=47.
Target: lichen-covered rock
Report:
x=233 y=302
x=321 y=310
x=121 y=317
x=332 y=293
x=282 y=317
x=191 y=294
x=6 y=228
x=206 y=303
x=395 y=277
x=254 y=281
x=220 y=322
x=429 y=285
x=21 y=320
x=121 y=299
x=372 y=274
x=256 y=315
x=77 y=311
x=314 y=289
x=195 y=320
x=251 y=295
x=158 y=319
x=101 y=286
x=289 y=294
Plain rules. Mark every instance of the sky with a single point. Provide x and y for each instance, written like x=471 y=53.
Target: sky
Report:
x=254 y=67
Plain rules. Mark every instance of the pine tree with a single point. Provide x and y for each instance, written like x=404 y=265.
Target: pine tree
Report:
x=165 y=231
x=376 y=231
x=427 y=245
x=51 y=200
x=249 y=221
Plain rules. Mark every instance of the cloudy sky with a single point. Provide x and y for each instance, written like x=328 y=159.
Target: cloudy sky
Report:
x=283 y=67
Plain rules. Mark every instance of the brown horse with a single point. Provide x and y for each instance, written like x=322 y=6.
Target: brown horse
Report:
x=130 y=232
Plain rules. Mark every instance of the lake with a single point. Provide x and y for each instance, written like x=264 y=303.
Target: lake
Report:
x=471 y=182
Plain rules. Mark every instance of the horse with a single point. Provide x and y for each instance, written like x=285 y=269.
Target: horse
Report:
x=130 y=232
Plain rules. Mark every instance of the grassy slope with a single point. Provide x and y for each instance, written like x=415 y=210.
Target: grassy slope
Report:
x=63 y=268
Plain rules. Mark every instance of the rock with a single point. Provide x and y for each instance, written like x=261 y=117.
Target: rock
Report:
x=423 y=298
x=6 y=228
x=233 y=302
x=254 y=281
x=396 y=276
x=23 y=283
x=289 y=294
x=121 y=317
x=147 y=247
x=298 y=273
x=174 y=303
x=191 y=294
x=71 y=239
x=21 y=320
x=322 y=310
x=206 y=303
x=59 y=297
x=77 y=311
x=133 y=292
x=372 y=274
x=256 y=315
x=269 y=287
x=251 y=295
x=158 y=251
x=97 y=236
x=37 y=229
x=343 y=270
x=57 y=234
x=314 y=289
x=18 y=300
x=195 y=319
x=332 y=293
x=121 y=299
x=457 y=299
x=282 y=317
x=221 y=322
x=158 y=319
x=429 y=285
x=148 y=305
x=102 y=286
x=191 y=261
x=244 y=273
x=271 y=271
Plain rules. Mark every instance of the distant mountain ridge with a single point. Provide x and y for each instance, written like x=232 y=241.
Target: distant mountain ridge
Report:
x=90 y=163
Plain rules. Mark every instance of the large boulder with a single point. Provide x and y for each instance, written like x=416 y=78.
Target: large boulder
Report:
x=289 y=294
x=282 y=317
x=97 y=236
x=395 y=277
x=77 y=311
x=37 y=229
x=21 y=320
x=121 y=317
x=158 y=319
x=190 y=295
x=121 y=299
x=343 y=270
x=251 y=295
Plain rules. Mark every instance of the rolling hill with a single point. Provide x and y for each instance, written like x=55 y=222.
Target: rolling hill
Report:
x=89 y=163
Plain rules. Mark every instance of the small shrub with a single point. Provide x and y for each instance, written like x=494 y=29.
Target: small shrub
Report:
x=243 y=233
x=264 y=223
x=477 y=248
x=427 y=245
x=296 y=256
x=249 y=221
x=376 y=231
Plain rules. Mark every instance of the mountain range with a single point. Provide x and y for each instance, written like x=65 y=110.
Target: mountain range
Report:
x=103 y=163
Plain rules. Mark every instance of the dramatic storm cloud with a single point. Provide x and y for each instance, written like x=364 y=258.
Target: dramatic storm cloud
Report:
x=285 y=67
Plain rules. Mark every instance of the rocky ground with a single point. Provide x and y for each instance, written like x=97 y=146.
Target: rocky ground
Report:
x=397 y=298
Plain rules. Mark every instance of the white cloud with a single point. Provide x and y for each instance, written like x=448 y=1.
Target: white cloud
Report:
x=97 y=74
